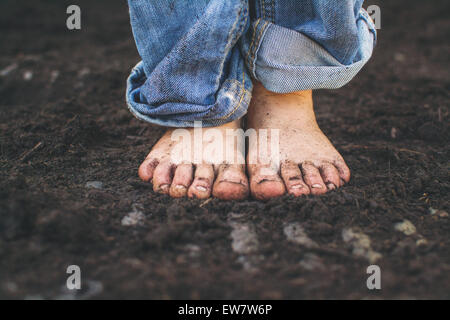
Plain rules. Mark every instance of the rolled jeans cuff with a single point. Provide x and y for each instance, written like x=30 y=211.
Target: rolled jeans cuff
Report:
x=285 y=60
x=231 y=104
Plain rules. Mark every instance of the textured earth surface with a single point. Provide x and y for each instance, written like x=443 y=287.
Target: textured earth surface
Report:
x=70 y=195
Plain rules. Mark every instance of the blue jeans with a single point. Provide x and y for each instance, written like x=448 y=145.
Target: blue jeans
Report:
x=199 y=57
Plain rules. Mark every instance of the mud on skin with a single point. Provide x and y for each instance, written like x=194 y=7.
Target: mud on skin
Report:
x=390 y=125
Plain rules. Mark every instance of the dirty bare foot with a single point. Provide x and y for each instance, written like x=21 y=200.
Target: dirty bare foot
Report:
x=307 y=162
x=181 y=173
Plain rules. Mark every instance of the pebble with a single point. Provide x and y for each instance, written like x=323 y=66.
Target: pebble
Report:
x=312 y=262
x=84 y=72
x=94 y=184
x=193 y=250
x=399 y=57
x=406 y=227
x=393 y=133
x=421 y=242
x=28 y=75
x=133 y=218
x=361 y=245
x=244 y=239
x=8 y=69
x=54 y=75
x=295 y=233
x=440 y=213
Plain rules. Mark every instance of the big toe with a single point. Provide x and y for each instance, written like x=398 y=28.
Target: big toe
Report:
x=266 y=183
x=231 y=183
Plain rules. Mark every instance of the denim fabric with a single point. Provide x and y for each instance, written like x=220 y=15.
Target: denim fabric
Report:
x=198 y=57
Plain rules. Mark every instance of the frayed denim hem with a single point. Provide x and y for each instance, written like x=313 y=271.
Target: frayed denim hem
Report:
x=286 y=60
x=231 y=103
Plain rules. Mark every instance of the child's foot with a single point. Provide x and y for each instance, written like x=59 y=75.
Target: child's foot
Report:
x=185 y=178
x=308 y=162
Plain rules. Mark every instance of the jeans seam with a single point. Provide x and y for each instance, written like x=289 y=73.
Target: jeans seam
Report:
x=242 y=96
x=242 y=86
x=263 y=13
x=273 y=11
x=252 y=42
x=255 y=48
x=232 y=39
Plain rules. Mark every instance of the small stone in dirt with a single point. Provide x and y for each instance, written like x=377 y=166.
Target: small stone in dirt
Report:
x=393 y=132
x=249 y=263
x=244 y=238
x=360 y=243
x=94 y=184
x=8 y=69
x=295 y=233
x=440 y=213
x=406 y=227
x=135 y=217
x=399 y=57
x=193 y=250
x=312 y=262
x=84 y=72
x=28 y=75
x=421 y=242
x=54 y=75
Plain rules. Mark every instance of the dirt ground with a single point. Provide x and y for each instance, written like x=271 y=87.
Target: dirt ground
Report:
x=70 y=195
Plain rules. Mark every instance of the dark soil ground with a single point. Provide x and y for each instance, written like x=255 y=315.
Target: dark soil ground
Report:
x=64 y=122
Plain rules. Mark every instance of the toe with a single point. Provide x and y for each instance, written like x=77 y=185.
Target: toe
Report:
x=147 y=168
x=202 y=184
x=231 y=183
x=162 y=177
x=330 y=175
x=313 y=179
x=292 y=177
x=266 y=183
x=182 y=179
x=344 y=171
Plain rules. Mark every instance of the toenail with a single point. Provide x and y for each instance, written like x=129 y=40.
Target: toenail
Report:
x=201 y=188
x=179 y=186
x=317 y=186
x=331 y=186
x=232 y=181
x=163 y=187
x=297 y=186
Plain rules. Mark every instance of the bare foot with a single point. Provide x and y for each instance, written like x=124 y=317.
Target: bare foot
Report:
x=197 y=177
x=307 y=162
